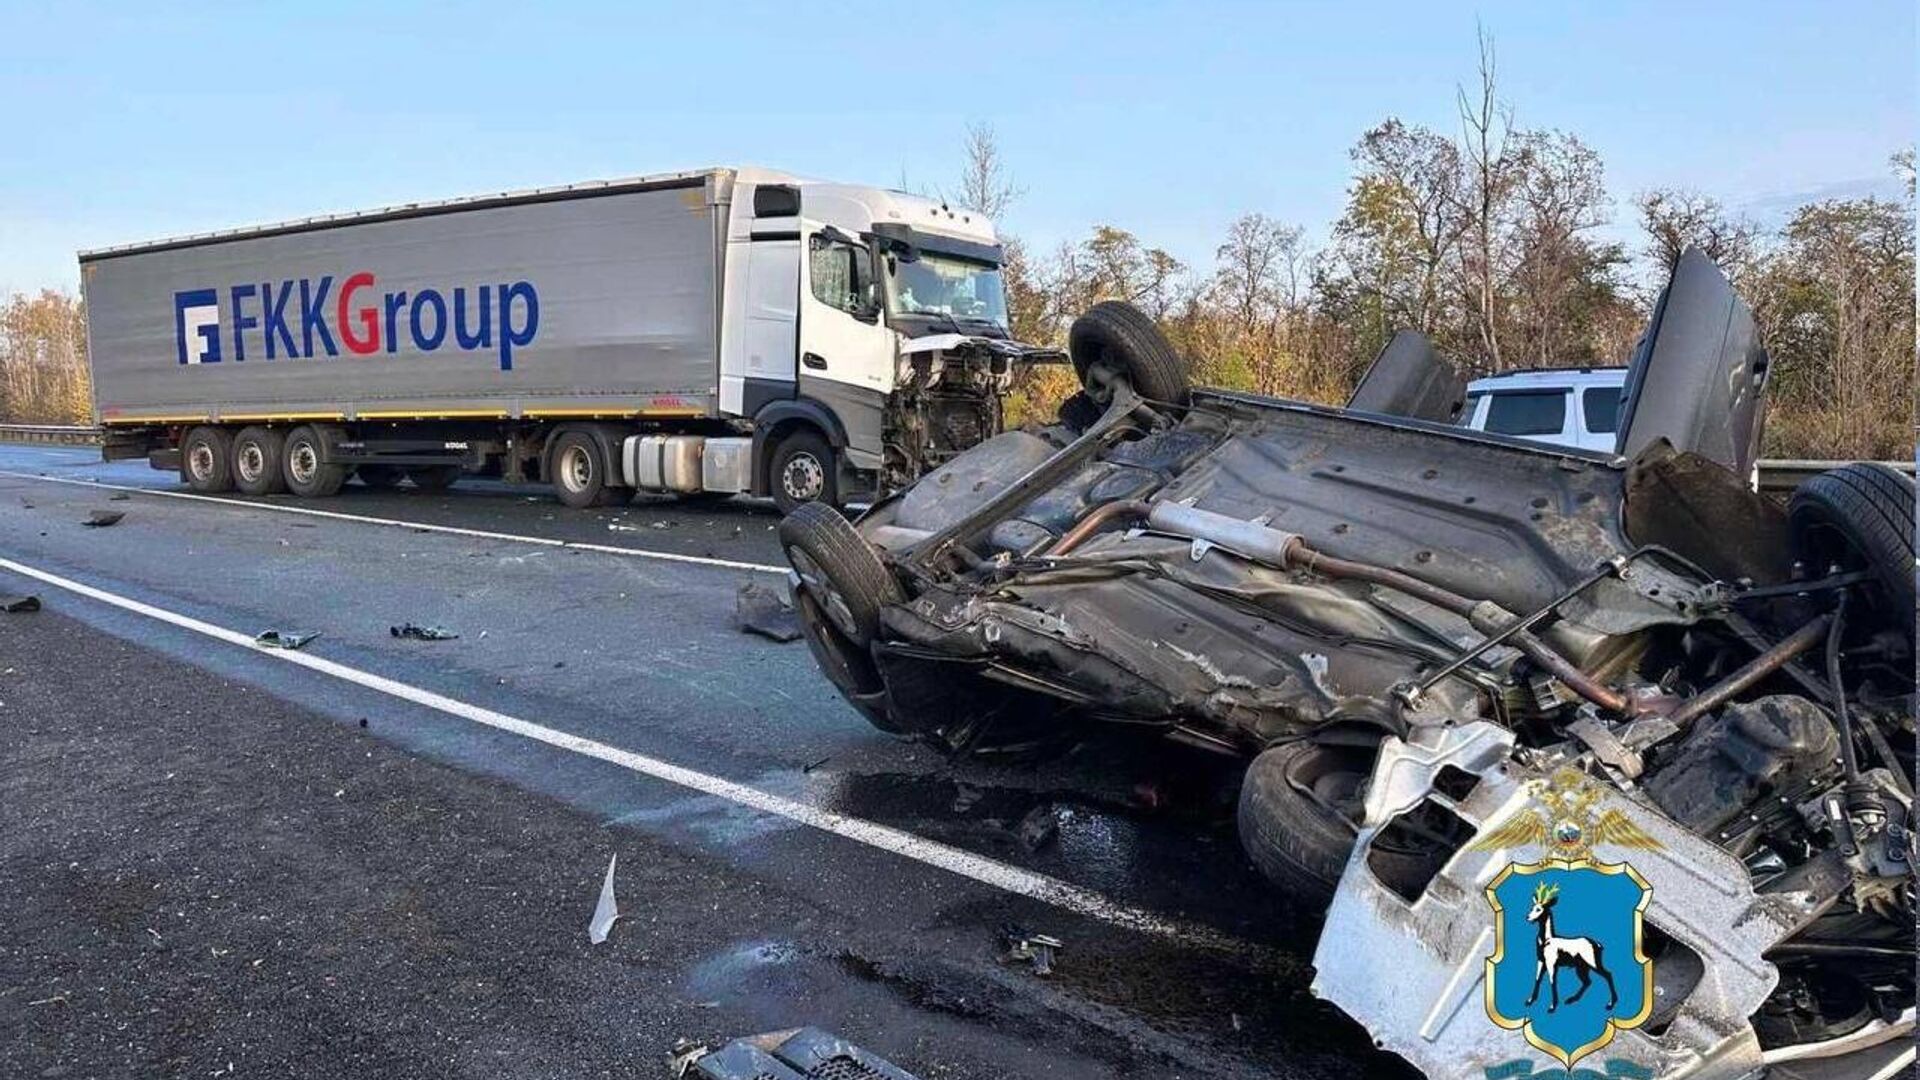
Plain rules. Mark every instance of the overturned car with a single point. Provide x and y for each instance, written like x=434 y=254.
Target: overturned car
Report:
x=1411 y=630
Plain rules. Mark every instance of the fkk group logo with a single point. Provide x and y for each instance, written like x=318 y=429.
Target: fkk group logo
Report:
x=1568 y=971
x=307 y=318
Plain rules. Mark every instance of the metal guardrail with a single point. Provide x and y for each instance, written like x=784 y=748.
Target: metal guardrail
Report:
x=57 y=434
x=1780 y=476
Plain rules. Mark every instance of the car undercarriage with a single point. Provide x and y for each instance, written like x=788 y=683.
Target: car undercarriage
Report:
x=1405 y=627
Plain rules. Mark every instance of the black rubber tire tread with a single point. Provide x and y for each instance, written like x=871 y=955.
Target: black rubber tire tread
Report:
x=327 y=479
x=1872 y=505
x=809 y=440
x=381 y=477
x=1291 y=840
x=273 y=479
x=1126 y=339
x=221 y=441
x=597 y=492
x=434 y=477
x=846 y=558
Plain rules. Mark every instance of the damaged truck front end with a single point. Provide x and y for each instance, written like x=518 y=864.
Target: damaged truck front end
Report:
x=1408 y=628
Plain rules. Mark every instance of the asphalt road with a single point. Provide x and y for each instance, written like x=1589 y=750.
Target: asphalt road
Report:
x=218 y=862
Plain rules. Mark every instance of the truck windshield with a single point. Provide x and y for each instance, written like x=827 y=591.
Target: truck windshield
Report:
x=937 y=285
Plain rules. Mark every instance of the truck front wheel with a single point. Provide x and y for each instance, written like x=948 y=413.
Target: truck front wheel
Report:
x=309 y=474
x=206 y=460
x=803 y=471
x=258 y=461
x=580 y=471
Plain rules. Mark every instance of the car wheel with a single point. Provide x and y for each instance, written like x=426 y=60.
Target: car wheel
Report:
x=434 y=477
x=580 y=471
x=1114 y=338
x=839 y=570
x=381 y=477
x=258 y=461
x=848 y=667
x=206 y=459
x=1300 y=812
x=308 y=473
x=803 y=471
x=1860 y=517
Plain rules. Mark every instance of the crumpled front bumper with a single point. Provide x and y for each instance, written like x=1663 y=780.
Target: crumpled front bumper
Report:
x=1414 y=972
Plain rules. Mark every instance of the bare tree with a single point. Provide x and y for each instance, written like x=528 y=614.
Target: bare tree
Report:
x=984 y=184
x=1491 y=166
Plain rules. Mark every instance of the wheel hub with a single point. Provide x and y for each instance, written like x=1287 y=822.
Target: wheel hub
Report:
x=200 y=461
x=816 y=582
x=303 y=463
x=576 y=468
x=803 y=478
x=251 y=463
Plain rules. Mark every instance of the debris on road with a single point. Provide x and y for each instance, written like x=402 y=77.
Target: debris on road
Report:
x=758 y=609
x=284 y=639
x=119 y=496
x=1037 y=949
x=13 y=605
x=422 y=633
x=794 y=1054
x=1040 y=826
x=100 y=519
x=607 y=910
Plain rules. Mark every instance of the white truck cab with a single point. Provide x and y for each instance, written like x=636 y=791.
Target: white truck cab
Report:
x=894 y=344
x=1577 y=407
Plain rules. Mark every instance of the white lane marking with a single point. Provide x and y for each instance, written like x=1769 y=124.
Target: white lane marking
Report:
x=451 y=530
x=1013 y=879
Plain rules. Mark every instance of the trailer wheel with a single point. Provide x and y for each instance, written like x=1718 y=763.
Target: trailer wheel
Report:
x=309 y=475
x=1117 y=338
x=839 y=570
x=206 y=459
x=580 y=471
x=259 y=466
x=803 y=470
x=381 y=477
x=434 y=477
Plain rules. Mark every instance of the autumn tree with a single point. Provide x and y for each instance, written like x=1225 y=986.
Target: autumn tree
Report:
x=43 y=360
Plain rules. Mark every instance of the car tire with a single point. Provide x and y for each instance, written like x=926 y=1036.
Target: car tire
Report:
x=1860 y=517
x=803 y=470
x=1120 y=339
x=580 y=472
x=259 y=466
x=206 y=459
x=1299 y=813
x=381 y=477
x=434 y=477
x=839 y=569
x=847 y=666
x=308 y=473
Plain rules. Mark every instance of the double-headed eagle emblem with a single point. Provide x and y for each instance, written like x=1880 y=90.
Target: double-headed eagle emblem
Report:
x=1569 y=828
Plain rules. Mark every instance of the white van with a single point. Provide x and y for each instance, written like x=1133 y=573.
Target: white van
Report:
x=1566 y=406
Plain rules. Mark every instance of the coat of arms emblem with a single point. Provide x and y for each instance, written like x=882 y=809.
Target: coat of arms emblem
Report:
x=1567 y=969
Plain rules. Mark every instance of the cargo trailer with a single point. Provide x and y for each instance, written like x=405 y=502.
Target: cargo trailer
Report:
x=706 y=333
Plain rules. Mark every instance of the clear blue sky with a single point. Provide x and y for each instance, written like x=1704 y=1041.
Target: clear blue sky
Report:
x=128 y=122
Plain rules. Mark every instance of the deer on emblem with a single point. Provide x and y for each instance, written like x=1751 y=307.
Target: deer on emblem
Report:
x=1552 y=952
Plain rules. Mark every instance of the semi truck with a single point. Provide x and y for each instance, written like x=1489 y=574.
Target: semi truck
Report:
x=706 y=333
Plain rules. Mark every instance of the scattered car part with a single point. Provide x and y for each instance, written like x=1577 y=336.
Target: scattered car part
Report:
x=799 y=1054
x=13 y=605
x=760 y=610
x=1025 y=946
x=284 y=639
x=606 y=910
x=418 y=632
x=100 y=519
